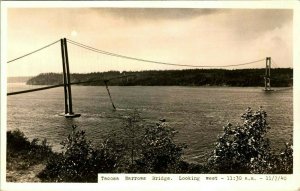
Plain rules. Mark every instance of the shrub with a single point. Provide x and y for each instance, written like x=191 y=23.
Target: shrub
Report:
x=135 y=149
x=16 y=141
x=285 y=159
x=149 y=148
x=80 y=161
x=132 y=130
x=185 y=167
x=22 y=153
x=245 y=148
x=159 y=153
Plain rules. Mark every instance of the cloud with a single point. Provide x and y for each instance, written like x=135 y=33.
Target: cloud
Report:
x=244 y=23
x=155 y=13
x=182 y=36
x=249 y=23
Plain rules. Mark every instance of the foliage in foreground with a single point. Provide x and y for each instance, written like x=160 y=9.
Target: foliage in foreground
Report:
x=245 y=148
x=139 y=150
x=80 y=161
x=151 y=149
x=159 y=153
x=19 y=148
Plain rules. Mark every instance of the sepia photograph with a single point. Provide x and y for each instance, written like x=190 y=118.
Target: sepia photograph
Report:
x=95 y=92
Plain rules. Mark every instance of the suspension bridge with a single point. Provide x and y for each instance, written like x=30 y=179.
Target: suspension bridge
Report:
x=62 y=65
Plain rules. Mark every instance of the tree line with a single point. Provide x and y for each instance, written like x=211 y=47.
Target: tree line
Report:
x=280 y=77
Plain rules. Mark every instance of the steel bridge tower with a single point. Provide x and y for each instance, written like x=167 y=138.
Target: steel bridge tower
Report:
x=268 y=74
x=67 y=82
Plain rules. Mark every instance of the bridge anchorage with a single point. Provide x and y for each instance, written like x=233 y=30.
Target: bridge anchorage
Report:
x=67 y=82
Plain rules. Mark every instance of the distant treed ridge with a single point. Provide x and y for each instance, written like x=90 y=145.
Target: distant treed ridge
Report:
x=280 y=77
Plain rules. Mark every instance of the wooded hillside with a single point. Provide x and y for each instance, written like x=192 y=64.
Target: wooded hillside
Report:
x=281 y=77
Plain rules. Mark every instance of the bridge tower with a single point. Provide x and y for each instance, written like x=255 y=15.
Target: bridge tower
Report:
x=268 y=74
x=66 y=80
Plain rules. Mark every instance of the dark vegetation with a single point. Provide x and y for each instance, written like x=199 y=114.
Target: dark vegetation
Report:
x=150 y=148
x=281 y=77
x=22 y=153
x=244 y=148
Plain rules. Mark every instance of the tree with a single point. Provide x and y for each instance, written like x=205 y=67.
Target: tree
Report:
x=28 y=153
x=80 y=161
x=245 y=148
x=148 y=148
x=159 y=152
x=133 y=130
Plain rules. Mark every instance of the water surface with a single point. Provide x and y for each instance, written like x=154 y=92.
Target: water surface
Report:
x=198 y=113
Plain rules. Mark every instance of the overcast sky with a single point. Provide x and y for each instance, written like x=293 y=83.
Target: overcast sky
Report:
x=180 y=36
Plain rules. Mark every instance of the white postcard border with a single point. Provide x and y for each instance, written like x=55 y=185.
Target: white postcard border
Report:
x=293 y=182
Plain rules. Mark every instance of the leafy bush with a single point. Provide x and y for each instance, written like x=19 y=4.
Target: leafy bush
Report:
x=19 y=148
x=16 y=141
x=132 y=136
x=184 y=167
x=148 y=149
x=245 y=148
x=159 y=153
x=80 y=161
x=141 y=148
x=285 y=160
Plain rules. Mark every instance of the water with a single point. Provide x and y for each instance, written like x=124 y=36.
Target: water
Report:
x=198 y=113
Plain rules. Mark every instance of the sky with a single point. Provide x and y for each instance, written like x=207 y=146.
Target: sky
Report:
x=210 y=37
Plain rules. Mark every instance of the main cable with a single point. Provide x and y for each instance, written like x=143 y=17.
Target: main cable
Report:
x=33 y=52
x=155 y=62
x=273 y=62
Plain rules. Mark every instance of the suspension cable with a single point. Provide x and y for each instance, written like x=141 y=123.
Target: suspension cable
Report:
x=33 y=52
x=273 y=62
x=155 y=62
